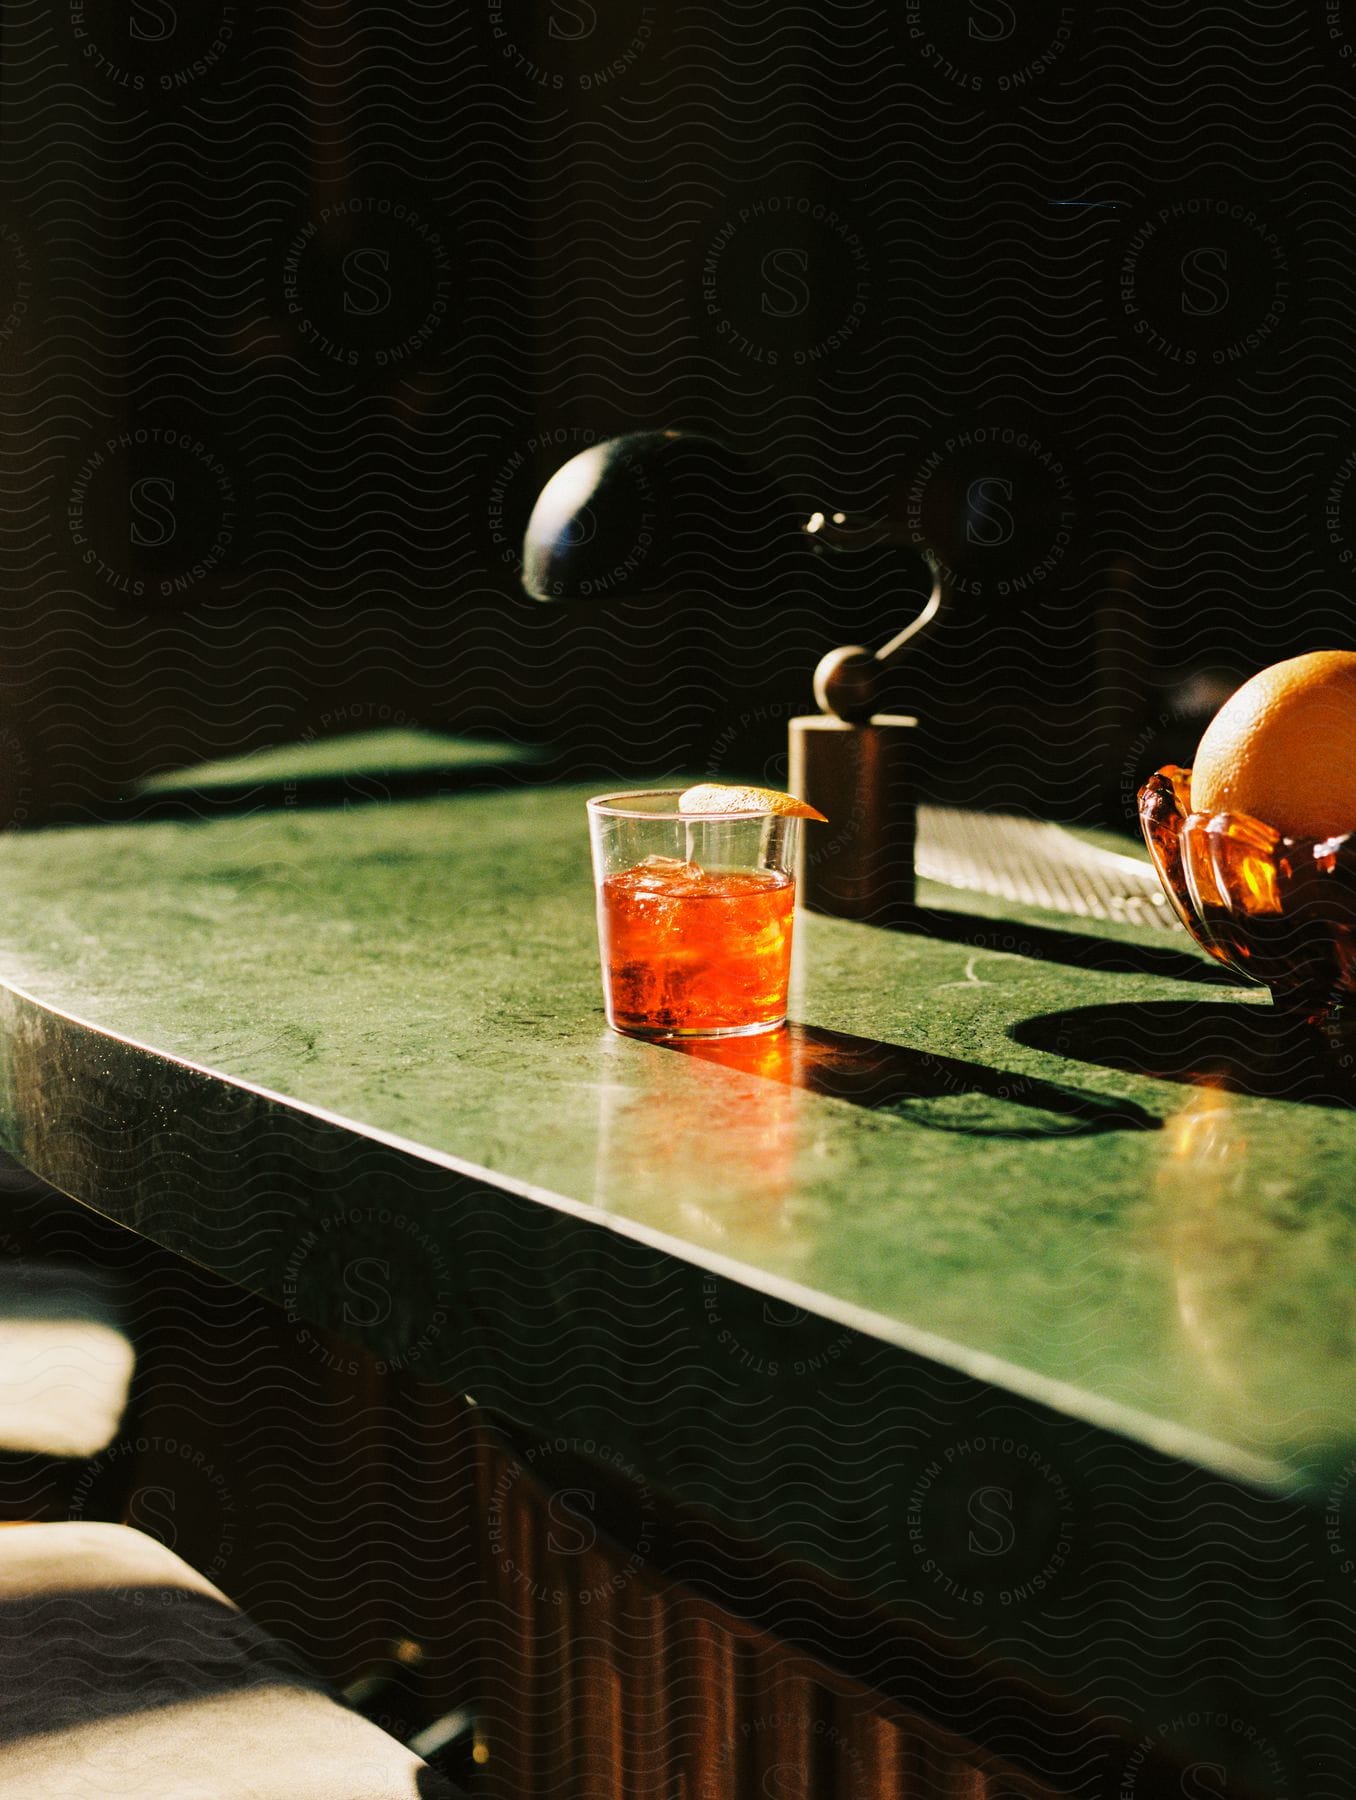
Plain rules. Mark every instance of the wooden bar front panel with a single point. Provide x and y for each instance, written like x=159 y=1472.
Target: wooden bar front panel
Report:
x=604 y=1680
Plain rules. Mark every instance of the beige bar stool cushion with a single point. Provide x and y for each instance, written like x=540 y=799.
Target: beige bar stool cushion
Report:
x=124 y=1675
x=65 y=1360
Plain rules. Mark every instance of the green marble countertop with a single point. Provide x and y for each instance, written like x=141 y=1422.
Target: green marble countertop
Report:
x=386 y=753
x=1066 y=1159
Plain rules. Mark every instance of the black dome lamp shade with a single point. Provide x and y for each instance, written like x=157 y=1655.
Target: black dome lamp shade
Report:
x=652 y=512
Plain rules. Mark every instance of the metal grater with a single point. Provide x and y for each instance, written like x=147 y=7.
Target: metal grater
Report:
x=1040 y=864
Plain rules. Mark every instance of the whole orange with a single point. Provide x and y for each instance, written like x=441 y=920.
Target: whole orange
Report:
x=1283 y=748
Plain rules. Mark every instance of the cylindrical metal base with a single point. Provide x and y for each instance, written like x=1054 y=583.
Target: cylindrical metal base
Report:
x=859 y=865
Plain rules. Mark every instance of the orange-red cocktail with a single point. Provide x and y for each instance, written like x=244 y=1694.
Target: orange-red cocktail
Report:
x=695 y=913
x=687 y=950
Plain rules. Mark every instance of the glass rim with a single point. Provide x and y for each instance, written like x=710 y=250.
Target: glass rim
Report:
x=609 y=806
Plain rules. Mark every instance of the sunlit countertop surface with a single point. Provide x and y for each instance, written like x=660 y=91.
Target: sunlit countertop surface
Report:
x=1014 y=1171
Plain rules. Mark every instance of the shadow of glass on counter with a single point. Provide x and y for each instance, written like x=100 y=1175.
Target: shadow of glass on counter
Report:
x=656 y=1134
x=942 y=1093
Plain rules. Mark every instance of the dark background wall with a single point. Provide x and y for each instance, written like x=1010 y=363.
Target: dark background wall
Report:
x=300 y=303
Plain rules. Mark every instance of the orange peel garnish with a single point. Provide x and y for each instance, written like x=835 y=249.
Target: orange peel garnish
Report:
x=709 y=797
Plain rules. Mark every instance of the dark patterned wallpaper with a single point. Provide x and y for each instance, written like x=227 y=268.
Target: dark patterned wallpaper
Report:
x=300 y=304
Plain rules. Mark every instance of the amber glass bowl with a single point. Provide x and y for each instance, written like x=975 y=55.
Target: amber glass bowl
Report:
x=1277 y=910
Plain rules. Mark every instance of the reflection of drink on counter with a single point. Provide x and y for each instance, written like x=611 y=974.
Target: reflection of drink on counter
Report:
x=687 y=949
x=658 y=1118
